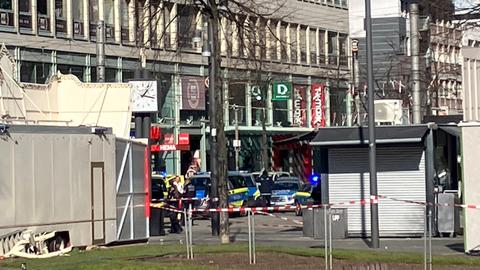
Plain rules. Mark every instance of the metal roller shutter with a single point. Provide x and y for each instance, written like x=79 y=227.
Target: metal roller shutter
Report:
x=401 y=175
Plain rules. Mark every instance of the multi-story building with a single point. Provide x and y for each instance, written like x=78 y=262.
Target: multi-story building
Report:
x=440 y=74
x=306 y=47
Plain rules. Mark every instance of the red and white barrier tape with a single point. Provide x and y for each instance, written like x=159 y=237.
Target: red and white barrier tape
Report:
x=165 y=207
x=469 y=206
x=373 y=200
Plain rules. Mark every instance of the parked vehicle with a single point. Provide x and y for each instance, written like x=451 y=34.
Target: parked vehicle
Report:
x=290 y=191
x=242 y=190
x=253 y=191
x=273 y=175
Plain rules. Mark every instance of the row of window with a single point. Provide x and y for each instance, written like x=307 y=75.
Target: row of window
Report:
x=343 y=4
x=175 y=26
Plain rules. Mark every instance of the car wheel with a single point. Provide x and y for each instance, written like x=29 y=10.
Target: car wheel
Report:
x=298 y=209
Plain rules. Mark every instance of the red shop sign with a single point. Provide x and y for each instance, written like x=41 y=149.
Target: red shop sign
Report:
x=183 y=139
x=318 y=105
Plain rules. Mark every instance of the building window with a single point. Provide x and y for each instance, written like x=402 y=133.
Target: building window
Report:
x=60 y=8
x=6 y=4
x=342 y=40
x=280 y=113
x=293 y=43
x=332 y=48
x=313 y=46
x=321 y=43
x=124 y=17
x=35 y=72
x=93 y=17
x=42 y=7
x=78 y=25
x=24 y=6
x=186 y=27
x=303 y=45
x=236 y=94
x=257 y=94
x=283 y=42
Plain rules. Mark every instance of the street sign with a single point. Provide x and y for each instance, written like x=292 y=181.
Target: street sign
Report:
x=282 y=91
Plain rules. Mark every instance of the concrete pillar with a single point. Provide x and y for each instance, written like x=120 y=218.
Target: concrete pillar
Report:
x=101 y=11
x=290 y=103
x=131 y=22
x=317 y=46
x=299 y=52
x=289 y=43
x=33 y=9
x=86 y=19
x=70 y=18
x=16 y=12
x=258 y=51
x=223 y=38
x=53 y=24
x=160 y=26
x=173 y=27
x=248 y=103
x=246 y=38
x=308 y=97
x=146 y=23
x=117 y=20
x=235 y=39
x=279 y=41
x=268 y=40
x=327 y=105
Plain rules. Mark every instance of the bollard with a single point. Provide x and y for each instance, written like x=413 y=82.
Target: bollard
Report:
x=325 y=237
x=190 y=230
x=425 y=238
x=249 y=237
x=330 y=237
x=253 y=239
x=430 y=238
x=186 y=233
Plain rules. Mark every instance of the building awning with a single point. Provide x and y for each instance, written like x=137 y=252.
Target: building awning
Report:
x=304 y=138
x=453 y=130
x=359 y=135
x=257 y=131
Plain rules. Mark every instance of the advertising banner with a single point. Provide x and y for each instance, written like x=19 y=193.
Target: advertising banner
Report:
x=193 y=93
x=318 y=105
x=282 y=91
x=299 y=106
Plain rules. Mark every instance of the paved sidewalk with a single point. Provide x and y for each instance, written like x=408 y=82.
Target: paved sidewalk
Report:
x=275 y=232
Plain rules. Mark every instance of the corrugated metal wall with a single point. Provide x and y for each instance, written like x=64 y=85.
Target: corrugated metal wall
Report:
x=401 y=175
x=45 y=183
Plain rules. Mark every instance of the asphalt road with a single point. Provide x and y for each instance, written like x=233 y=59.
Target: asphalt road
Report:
x=275 y=231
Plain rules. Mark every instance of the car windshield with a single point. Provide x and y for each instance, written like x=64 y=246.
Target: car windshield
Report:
x=236 y=181
x=200 y=182
x=286 y=185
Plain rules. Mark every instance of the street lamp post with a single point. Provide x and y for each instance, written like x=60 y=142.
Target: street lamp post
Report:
x=371 y=131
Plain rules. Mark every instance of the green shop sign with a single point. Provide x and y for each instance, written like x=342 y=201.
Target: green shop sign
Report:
x=282 y=91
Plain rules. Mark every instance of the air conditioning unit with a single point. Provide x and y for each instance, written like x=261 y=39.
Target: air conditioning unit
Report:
x=389 y=112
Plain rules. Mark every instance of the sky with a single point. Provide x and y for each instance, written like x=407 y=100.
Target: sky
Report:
x=465 y=3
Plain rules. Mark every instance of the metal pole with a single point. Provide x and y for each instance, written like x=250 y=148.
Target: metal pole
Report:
x=237 y=142
x=101 y=51
x=415 y=53
x=253 y=239
x=325 y=237
x=212 y=114
x=249 y=237
x=429 y=239
x=186 y=232
x=425 y=237
x=190 y=230
x=203 y=150
x=330 y=237
x=371 y=129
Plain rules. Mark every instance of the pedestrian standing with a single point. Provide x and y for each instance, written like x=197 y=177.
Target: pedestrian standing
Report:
x=175 y=196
